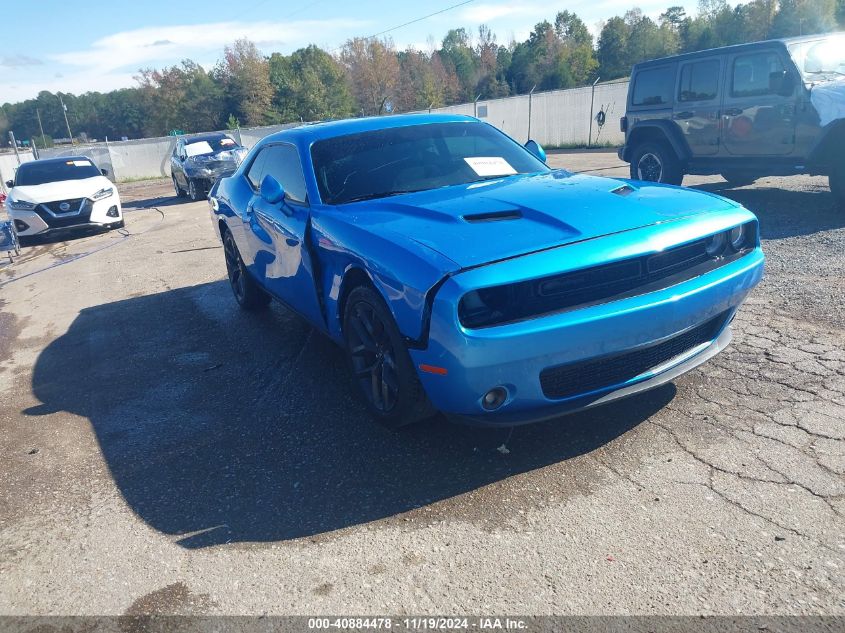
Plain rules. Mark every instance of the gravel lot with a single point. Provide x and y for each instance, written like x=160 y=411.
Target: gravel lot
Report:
x=163 y=452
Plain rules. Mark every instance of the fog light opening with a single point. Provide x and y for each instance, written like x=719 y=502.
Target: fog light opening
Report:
x=494 y=398
x=112 y=213
x=21 y=226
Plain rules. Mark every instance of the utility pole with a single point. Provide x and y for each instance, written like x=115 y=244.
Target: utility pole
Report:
x=41 y=127
x=64 y=111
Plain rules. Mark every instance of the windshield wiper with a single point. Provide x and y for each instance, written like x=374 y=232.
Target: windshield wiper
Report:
x=380 y=194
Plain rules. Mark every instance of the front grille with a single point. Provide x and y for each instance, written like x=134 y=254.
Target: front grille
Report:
x=566 y=381
x=68 y=220
x=498 y=305
x=55 y=207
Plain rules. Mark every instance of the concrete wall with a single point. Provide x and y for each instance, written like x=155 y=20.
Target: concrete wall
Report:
x=8 y=165
x=148 y=157
x=558 y=117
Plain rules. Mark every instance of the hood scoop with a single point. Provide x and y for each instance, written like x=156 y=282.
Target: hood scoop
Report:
x=624 y=190
x=493 y=216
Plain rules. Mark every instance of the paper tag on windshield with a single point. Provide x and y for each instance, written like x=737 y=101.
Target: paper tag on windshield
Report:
x=81 y=163
x=490 y=166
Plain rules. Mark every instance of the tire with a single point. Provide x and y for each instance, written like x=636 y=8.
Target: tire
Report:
x=194 y=190
x=656 y=162
x=179 y=192
x=381 y=367
x=837 y=183
x=738 y=178
x=248 y=293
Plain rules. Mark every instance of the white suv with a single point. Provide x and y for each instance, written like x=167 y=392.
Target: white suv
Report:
x=62 y=193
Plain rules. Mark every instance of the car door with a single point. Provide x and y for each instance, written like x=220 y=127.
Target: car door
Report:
x=697 y=104
x=759 y=108
x=279 y=232
x=176 y=163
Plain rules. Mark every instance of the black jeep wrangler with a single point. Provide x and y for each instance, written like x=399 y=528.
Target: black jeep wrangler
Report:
x=774 y=108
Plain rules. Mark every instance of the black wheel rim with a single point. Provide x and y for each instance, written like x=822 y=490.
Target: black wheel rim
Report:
x=650 y=168
x=192 y=190
x=234 y=269
x=373 y=357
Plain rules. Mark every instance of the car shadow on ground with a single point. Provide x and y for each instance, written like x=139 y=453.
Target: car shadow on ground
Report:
x=221 y=426
x=784 y=212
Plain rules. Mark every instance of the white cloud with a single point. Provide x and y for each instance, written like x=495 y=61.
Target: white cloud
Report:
x=152 y=45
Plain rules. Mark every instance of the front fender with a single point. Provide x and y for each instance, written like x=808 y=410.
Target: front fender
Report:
x=652 y=128
x=401 y=269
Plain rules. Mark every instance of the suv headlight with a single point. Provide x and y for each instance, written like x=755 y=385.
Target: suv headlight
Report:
x=20 y=205
x=103 y=193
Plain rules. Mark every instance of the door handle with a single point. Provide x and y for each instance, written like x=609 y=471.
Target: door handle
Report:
x=683 y=115
x=733 y=111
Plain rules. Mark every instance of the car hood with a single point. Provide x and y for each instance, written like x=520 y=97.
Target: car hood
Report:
x=62 y=190
x=485 y=222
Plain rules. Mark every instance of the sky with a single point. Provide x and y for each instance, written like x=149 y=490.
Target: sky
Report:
x=98 y=45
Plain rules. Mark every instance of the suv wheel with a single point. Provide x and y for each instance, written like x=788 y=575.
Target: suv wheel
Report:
x=837 y=183
x=656 y=162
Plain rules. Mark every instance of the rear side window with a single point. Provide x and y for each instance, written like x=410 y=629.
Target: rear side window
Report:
x=753 y=74
x=699 y=81
x=283 y=164
x=654 y=87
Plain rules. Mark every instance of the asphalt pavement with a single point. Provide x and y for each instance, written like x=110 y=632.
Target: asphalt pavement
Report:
x=163 y=452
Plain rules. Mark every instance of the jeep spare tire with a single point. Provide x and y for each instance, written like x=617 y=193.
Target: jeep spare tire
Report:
x=656 y=162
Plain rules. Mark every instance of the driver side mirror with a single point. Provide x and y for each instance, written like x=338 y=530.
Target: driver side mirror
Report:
x=535 y=148
x=10 y=183
x=271 y=190
x=105 y=172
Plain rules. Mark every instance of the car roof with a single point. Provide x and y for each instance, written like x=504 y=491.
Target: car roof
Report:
x=59 y=159
x=781 y=43
x=208 y=136
x=330 y=129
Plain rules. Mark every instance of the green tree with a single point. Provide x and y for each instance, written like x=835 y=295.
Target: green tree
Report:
x=245 y=77
x=613 y=49
x=373 y=70
x=309 y=85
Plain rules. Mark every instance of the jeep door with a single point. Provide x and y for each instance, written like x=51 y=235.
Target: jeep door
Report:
x=698 y=104
x=759 y=108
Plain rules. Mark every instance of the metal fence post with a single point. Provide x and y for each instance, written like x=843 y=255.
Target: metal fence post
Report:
x=592 y=101
x=530 y=99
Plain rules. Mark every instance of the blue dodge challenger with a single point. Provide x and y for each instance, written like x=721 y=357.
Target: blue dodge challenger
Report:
x=461 y=274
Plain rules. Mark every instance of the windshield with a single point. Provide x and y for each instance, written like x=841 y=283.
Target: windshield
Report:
x=414 y=158
x=202 y=146
x=36 y=173
x=820 y=59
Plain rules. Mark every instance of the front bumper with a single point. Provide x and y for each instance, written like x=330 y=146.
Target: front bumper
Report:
x=92 y=214
x=514 y=355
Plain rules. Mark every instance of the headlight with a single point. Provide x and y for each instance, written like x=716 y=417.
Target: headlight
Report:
x=737 y=237
x=715 y=244
x=103 y=193
x=20 y=205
